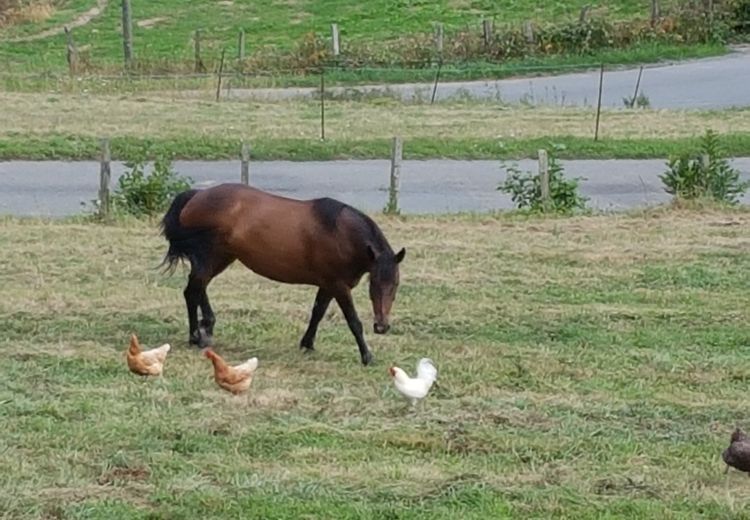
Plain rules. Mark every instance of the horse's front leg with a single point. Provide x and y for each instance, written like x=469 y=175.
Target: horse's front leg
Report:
x=322 y=300
x=344 y=299
x=208 y=319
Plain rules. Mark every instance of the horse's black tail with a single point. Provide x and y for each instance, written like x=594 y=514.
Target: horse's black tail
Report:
x=184 y=243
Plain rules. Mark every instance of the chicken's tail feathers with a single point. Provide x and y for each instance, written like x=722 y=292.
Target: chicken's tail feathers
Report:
x=252 y=364
x=135 y=347
x=164 y=349
x=426 y=369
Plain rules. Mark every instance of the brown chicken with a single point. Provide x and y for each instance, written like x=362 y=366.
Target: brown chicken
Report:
x=737 y=455
x=236 y=379
x=146 y=363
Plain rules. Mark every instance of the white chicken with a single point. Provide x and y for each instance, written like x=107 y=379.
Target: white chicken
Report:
x=415 y=388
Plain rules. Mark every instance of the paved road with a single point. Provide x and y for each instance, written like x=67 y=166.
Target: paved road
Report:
x=710 y=83
x=53 y=188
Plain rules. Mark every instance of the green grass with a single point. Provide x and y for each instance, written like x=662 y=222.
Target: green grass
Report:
x=40 y=78
x=82 y=148
x=281 y=25
x=590 y=367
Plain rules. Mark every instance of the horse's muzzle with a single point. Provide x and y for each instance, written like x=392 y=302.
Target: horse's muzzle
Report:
x=380 y=328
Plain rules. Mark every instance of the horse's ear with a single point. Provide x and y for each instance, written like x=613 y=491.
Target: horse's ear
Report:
x=371 y=253
x=400 y=255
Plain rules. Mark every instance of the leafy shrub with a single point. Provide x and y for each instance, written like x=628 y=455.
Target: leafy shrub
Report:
x=640 y=101
x=576 y=37
x=704 y=175
x=740 y=16
x=141 y=195
x=525 y=188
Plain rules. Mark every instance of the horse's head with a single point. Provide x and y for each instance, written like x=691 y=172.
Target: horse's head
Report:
x=383 y=285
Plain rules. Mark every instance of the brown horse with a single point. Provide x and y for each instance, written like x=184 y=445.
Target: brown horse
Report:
x=320 y=242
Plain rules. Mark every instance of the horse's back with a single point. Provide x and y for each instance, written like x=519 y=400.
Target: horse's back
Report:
x=288 y=240
x=220 y=206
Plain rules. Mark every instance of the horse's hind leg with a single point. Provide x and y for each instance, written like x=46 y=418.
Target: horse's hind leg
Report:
x=193 y=295
x=208 y=318
x=322 y=300
x=344 y=299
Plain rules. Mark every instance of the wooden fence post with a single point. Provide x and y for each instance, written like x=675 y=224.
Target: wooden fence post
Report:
x=199 y=67
x=71 y=53
x=396 y=157
x=105 y=174
x=127 y=33
x=335 y=38
x=654 y=12
x=528 y=31
x=322 y=103
x=221 y=71
x=241 y=46
x=245 y=171
x=584 y=14
x=439 y=31
x=544 y=178
x=487 y=32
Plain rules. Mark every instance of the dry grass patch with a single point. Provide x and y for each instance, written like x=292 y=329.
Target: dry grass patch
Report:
x=167 y=117
x=12 y=13
x=151 y=22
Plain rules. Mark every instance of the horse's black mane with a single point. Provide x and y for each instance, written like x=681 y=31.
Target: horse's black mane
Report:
x=328 y=211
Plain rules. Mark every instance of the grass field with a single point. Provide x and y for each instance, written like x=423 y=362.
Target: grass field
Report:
x=590 y=367
x=68 y=126
x=163 y=31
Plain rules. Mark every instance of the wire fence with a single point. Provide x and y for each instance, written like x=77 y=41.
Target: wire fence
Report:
x=591 y=87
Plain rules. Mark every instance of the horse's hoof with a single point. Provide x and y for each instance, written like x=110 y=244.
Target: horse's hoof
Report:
x=204 y=339
x=306 y=346
x=367 y=359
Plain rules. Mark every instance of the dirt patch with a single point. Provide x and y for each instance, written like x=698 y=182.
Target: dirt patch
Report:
x=119 y=474
x=150 y=22
x=275 y=398
x=83 y=19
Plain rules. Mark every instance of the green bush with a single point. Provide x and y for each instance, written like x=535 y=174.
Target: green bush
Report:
x=142 y=195
x=640 y=101
x=525 y=188
x=740 y=16
x=704 y=175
